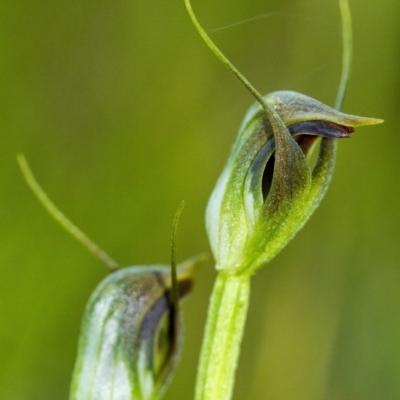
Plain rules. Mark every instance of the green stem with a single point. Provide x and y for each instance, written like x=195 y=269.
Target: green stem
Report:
x=223 y=335
x=347 y=38
x=267 y=107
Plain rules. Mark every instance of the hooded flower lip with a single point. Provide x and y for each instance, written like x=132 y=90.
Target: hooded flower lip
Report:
x=131 y=335
x=267 y=190
x=295 y=107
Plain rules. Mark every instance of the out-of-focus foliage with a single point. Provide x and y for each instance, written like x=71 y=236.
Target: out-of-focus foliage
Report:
x=123 y=112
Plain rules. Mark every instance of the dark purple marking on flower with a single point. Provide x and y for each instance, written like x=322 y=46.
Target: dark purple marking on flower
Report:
x=151 y=325
x=305 y=134
x=321 y=128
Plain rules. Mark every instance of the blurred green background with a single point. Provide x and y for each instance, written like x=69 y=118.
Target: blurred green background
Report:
x=123 y=112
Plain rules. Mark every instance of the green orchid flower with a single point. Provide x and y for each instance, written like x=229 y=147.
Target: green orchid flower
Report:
x=131 y=335
x=268 y=190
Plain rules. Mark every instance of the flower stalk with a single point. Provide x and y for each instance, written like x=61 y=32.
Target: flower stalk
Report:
x=264 y=196
x=223 y=334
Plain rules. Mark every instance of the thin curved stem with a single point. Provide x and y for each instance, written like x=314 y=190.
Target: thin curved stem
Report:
x=61 y=218
x=347 y=37
x=267 y=108
x=174 y=292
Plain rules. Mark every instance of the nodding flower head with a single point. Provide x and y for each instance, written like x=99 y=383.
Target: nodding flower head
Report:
x=131 y=335
x=268 y=190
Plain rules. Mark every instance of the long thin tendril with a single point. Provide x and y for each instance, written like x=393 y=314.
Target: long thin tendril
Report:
x=347 y=37
x=267 y=108
x=174 y=297
x=61 y=218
